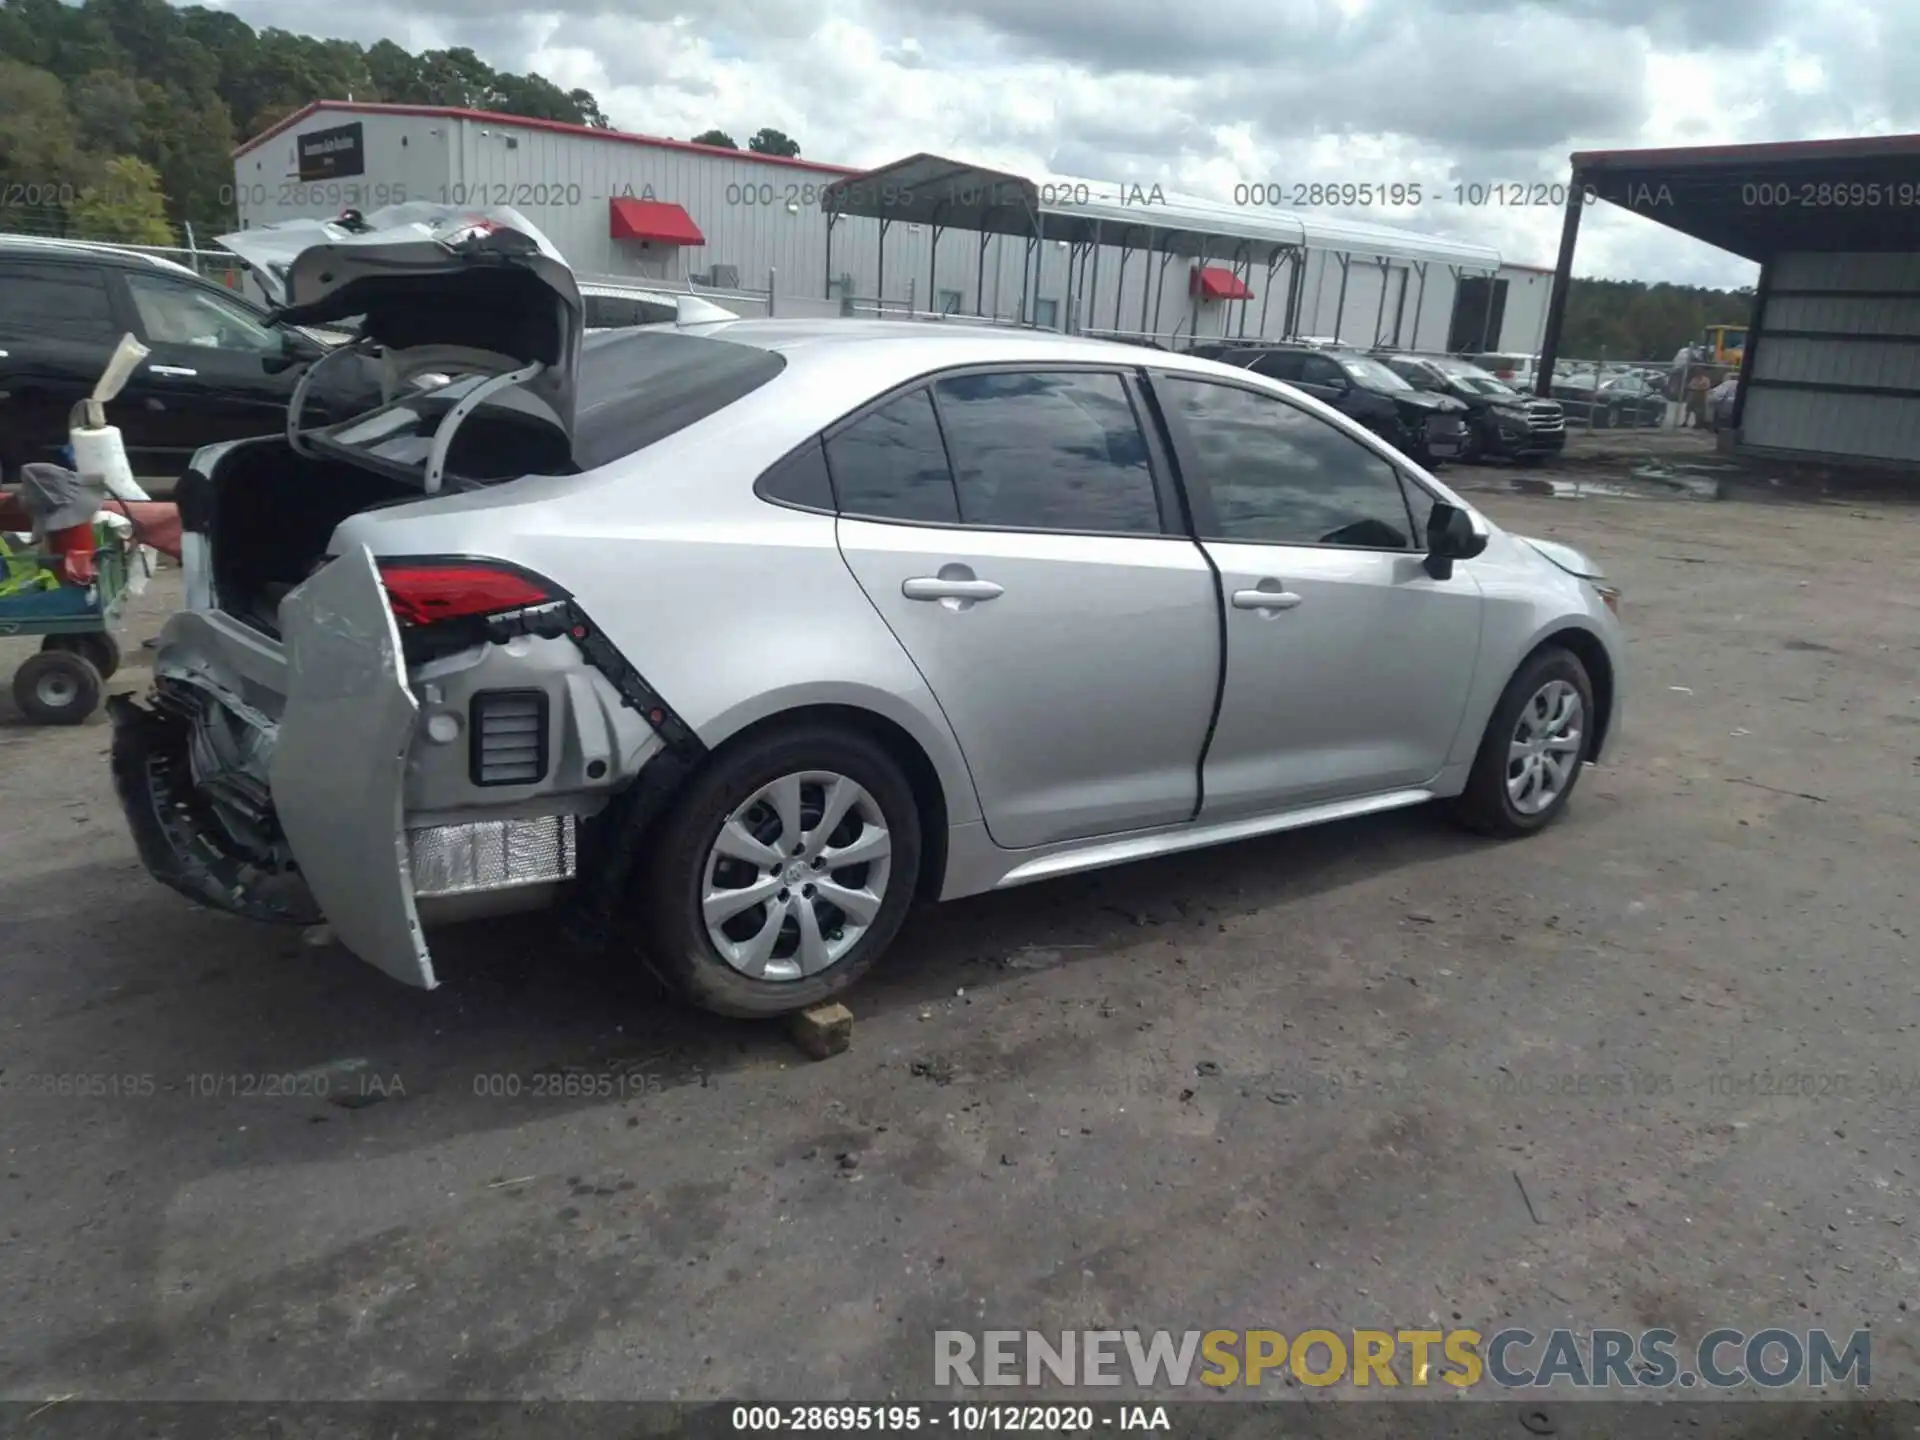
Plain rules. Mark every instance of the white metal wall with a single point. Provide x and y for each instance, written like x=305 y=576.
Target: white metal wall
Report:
x=1847 y=327
x=407 y=157
x=1523 y=324
x=761 y=216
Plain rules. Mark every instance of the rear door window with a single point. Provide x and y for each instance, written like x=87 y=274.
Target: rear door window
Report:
x=1048 y=450
x=66 y=302
x=1319 y=370
x=890 y=464
x=1277 y=365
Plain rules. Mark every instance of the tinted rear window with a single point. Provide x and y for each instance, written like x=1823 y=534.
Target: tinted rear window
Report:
x=638 y=387
x=65 y=301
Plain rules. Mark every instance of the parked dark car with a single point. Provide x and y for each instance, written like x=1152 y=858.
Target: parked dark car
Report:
x=1426 y=427
x=1501 y=422
x=1618 y=400
x=217 y=371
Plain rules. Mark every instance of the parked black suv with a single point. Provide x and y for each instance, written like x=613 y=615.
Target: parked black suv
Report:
x=1500 y=420
x=217 y=370
x=1426 y=427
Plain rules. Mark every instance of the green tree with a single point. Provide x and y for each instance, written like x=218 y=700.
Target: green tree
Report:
x=108 y=110
x=125 y=205
x=768 y=141
x=40 y=158
x=589 y=108
x=715 y=137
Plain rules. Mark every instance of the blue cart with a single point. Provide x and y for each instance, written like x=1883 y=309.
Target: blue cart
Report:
x=62 y=684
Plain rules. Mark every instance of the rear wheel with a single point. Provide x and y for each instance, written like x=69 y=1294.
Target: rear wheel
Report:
x=98 y=648
x=782 y=874
x=56 y=687
x=1535 y=744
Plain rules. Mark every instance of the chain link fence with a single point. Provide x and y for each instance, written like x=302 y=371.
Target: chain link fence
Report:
x=1665 y=393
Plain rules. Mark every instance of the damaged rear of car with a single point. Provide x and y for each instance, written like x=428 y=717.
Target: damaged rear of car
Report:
x=385 y=739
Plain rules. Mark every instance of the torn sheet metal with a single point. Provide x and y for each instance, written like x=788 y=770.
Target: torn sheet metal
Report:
x=339 y=765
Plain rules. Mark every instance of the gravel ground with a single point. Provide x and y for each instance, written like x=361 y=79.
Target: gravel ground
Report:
x=1373 y=1074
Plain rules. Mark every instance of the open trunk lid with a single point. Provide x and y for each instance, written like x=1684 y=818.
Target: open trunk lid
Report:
x=441 y=279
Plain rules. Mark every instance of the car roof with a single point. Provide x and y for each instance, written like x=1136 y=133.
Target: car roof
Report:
x=883 y=353
x=89 y=249
x=834 y=366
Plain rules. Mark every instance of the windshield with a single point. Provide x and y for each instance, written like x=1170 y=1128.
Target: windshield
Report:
x=1372 y=372
x=1473 y=379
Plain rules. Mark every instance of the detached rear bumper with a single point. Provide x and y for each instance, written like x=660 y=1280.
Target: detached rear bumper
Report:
x=335 y=799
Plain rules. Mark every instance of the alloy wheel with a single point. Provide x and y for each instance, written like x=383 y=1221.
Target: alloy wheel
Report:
x=1545 y=748
x=796 y=875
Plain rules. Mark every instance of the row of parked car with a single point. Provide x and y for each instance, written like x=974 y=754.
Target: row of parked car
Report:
x=1433 y=408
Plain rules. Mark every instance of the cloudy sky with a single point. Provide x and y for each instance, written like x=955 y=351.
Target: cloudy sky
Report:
x=1207 y=97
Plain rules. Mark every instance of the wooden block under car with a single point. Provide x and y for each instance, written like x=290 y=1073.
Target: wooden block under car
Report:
x=823 y=1031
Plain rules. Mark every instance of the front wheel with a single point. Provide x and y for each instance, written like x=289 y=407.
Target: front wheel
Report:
x=1533 y=749
x=782 y=874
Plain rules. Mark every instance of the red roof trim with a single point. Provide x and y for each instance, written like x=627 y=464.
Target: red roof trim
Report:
x=1857 y=147
x=488 y=117
x=661 y=220
x=1215 y=282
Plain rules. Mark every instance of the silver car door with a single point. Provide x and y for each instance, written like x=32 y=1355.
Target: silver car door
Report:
x=1072 y=643
x=339 y=763
x=1348 y=665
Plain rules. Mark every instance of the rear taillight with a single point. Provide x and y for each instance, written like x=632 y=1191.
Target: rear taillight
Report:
x=425 y=592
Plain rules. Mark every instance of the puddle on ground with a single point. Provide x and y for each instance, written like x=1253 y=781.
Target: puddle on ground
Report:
x=1644 y=482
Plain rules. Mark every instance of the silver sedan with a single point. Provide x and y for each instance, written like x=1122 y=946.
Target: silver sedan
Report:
x=733 y=639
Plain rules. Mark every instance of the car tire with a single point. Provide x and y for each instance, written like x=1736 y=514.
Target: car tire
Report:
x=98 y=647
x=1496 y=801
x=743 y=791
x=1469 y=448
x=56 y=687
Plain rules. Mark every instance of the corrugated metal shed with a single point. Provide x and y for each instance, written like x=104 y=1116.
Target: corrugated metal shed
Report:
x=1836 y=366
x=1111 y=257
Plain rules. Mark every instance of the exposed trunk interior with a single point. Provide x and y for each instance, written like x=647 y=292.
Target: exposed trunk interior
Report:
x=272 y=513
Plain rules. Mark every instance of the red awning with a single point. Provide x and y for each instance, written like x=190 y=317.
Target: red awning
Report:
x=1217 y=283
x=657 y=220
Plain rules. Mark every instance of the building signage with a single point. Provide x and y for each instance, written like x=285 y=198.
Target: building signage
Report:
x=333 y=153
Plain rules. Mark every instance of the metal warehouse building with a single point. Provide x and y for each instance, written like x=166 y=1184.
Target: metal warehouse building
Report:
x=922 y=235
x=1831 y=367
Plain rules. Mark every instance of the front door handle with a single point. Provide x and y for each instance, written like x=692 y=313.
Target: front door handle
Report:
x=179 y=370
x=933 y=587
x=1268 y=595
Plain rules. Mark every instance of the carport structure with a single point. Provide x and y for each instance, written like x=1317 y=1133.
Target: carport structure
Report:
x=1228 y=245
x=1236 y=252
x=1831 y=367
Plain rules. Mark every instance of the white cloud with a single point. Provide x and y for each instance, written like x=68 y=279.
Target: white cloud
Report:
x=1204 y=98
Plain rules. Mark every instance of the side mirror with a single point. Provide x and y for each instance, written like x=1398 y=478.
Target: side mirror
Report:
x=295 y=349
x=1451 y=536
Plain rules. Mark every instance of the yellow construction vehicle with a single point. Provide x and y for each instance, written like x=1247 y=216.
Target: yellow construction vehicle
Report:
x=1723 y=344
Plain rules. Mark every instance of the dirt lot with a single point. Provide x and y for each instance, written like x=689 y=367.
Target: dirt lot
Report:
x=1373 y=1074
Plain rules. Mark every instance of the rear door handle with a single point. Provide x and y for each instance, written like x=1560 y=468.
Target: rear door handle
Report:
x=180 y=370
x=932 y=587
x=1269 y=596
